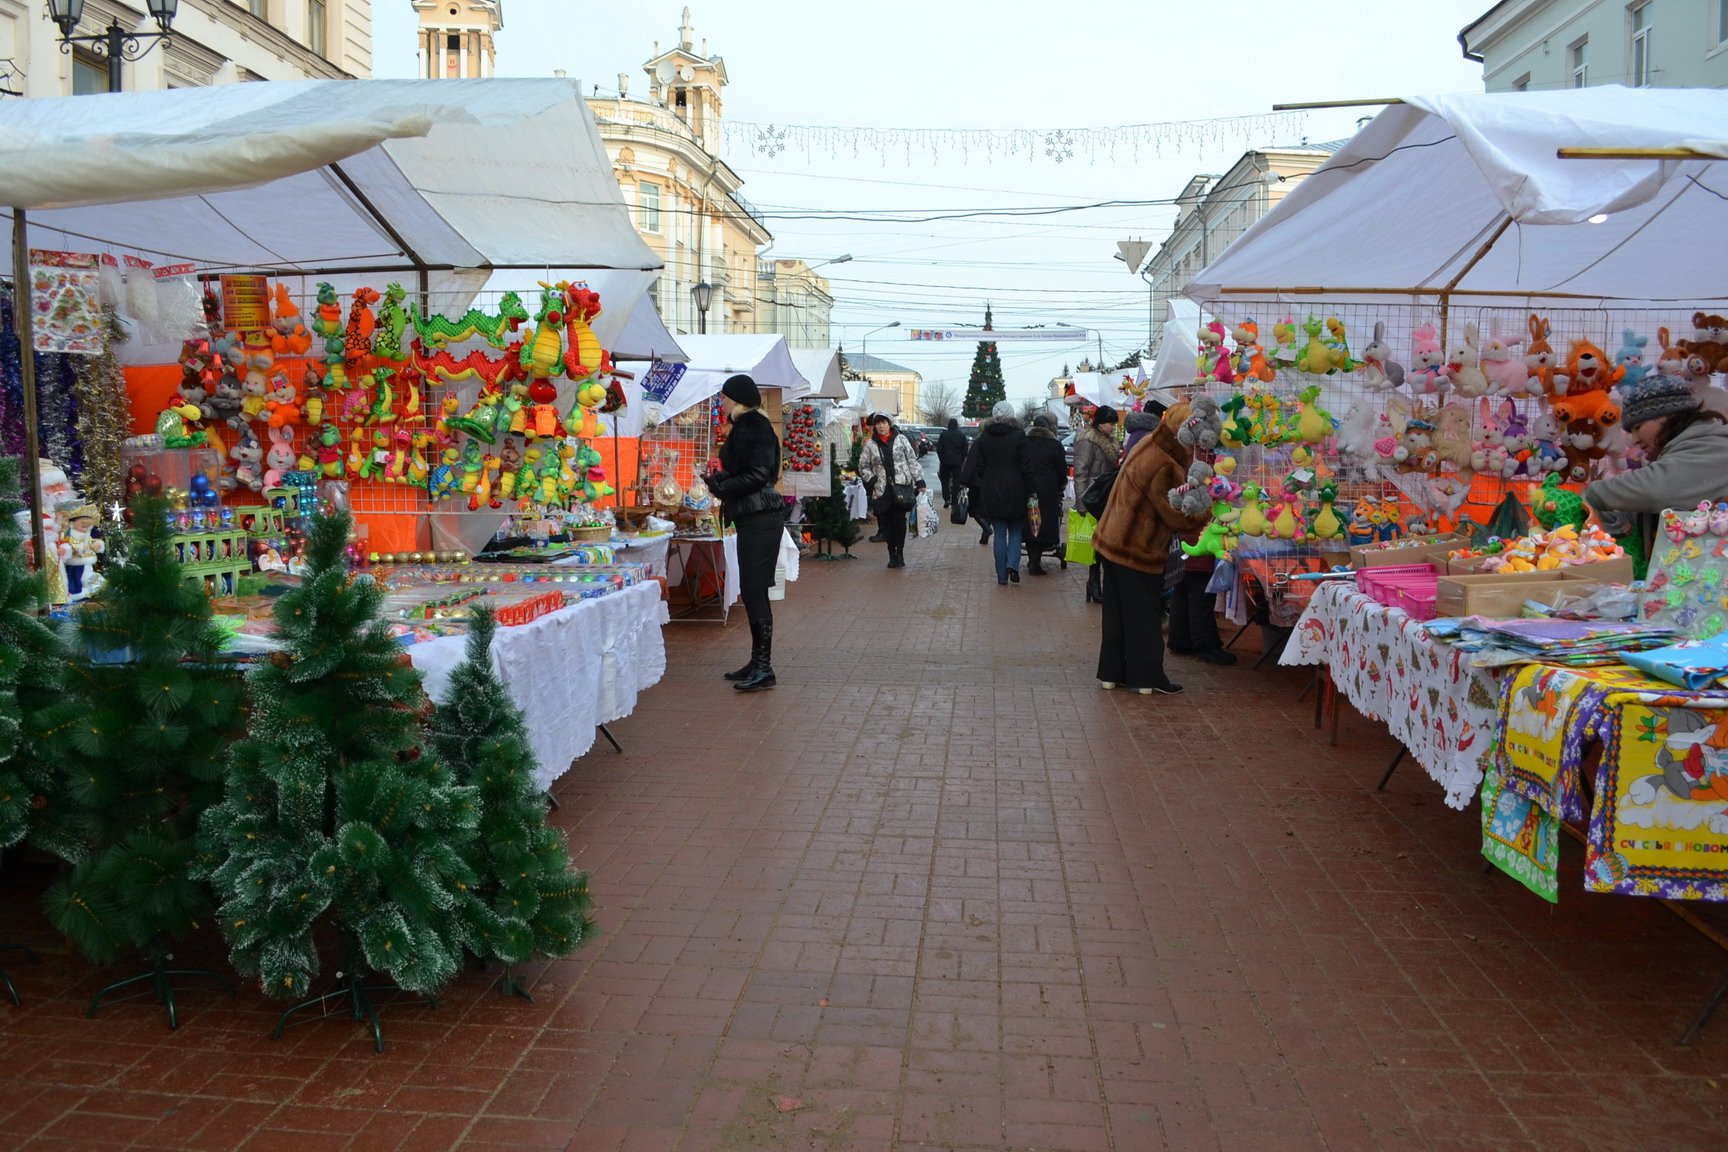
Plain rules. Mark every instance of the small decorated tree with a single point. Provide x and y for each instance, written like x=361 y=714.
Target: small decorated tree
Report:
x=831 y=520
x=332 y=811
x=31 y=667
x=142 y=731
x=984 y=387
x=523 y=865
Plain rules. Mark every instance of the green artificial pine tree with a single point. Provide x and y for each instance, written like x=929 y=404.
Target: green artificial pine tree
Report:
x=332 y=813
x=523 y=865
x=984 y=387
x=142 y=731
x=831 y=520
x=31 y=668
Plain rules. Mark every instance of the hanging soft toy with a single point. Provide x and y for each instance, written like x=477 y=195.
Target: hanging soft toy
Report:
x=1209 y=352
x=1588 y=370
x=1253 y=519
x=1629 y=360
x=1284 y=343
x=1251 y=361
x=1339 y=346
x=171 y=424
x=1539 y=357
x=1427 y=362
x=1315 y=423
x=392 y=322
x=1316 y=355
x=290 y=336
x=1672 y=361
x=357 y=339
x=1326 y=525
x=1234 y=433
x=1464 y=367
x=329 y=326
x=494 y=328
x=1553 y=505
x=1505 y=369
x=543 y=355
x=1380 y=373
x=583 y=356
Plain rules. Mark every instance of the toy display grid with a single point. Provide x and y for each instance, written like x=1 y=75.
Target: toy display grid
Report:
x=693 y=440
x=1257 y=464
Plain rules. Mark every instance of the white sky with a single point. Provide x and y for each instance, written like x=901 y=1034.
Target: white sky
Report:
x=1005 y=65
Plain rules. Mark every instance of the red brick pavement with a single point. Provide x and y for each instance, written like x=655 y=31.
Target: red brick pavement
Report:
x=939 y=891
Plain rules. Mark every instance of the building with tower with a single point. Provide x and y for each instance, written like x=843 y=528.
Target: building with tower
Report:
x=665 y=148
x=456 y=38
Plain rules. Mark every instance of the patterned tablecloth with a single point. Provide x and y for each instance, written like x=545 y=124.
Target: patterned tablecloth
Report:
x=569 y=671
x=1426 y=693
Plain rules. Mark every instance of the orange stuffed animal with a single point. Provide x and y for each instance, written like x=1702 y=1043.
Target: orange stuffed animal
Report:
x=1588 y=369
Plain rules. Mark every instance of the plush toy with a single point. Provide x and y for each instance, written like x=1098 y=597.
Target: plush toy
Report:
x=289 y=336
x=1588 y=370
x=1452 y=443
x=1211 y=542
x=281 y=402
x=1464 y=366
x=1209 y=353
x=280 y=458
x=1446 y=495
x=1205 y=424
x=329 y=326
x=1253 y=519
x=1552 y=505
x=1539 y=357
x=1316 y=357
x=1506 y=371
x=357 y=338
x=583 y=357
x=171 y=424
x=329 y=450
x=495 y=329
x=1284 y=521
x=1251 y=361
x=1427 y=373
x=248 y=458
x=1708 y=348
x=1673 y=360
x=1546 y=439
x=1339 y=346
x=1326 y=525
x=1284 y=343
x=1380 y=373
x=1193 y=497
x=1234 y=433
x=1629 y=360
x=543 y=355
x=1361 y=528
x=392 y=322
x=442 y=482
x=1315 y=423
x=417 y=466
x=1585 y=417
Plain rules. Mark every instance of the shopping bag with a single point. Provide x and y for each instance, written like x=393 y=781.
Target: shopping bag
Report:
x=958 y=510
x=1080 y=527
x=928 y=521
x=1034 y=518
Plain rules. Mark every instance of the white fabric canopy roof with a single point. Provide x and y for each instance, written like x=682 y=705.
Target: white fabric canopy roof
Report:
x=763 y=357
x=1106 y=387
x=1175 y=364
x=320 y=177
x=1408 y=206
x=820 y=368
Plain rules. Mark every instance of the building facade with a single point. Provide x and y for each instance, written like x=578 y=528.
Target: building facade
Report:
x=456 y=38
x=1212 y=211
x=1541 y=45
x=687 y=203
x=213 y=42
x=893 y=387
x=795 y=302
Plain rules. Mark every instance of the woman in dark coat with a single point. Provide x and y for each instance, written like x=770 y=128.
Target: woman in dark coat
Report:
x=1046 y=477
x=997 y=470
x=744 y=482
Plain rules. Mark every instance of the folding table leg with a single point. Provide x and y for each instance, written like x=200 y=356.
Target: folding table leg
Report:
x=1391 y=768
x=1703 y=1017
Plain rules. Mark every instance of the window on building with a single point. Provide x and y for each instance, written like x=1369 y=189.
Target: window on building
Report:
x=257 y=8
x=89 y=73
x=1641 y=46
x=317 y=17
x=648 y=206
x=1522 y=84
x=1722 y=21
x=1579 y=66
x=453 y=42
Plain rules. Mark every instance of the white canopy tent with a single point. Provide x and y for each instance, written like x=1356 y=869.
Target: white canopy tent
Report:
x=1175 y=364
x=1462 y=198
x=763 y=357
x=820 y=368
x=1106 y=387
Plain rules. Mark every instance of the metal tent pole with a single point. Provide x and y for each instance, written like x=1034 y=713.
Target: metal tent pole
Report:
x=22 y=311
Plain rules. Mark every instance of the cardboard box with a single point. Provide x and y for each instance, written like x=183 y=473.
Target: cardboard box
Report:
x=1498 y=594
x=1615 y=571
x=1432 y=550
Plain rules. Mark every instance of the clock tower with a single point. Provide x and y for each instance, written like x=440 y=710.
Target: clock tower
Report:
x=456 y=37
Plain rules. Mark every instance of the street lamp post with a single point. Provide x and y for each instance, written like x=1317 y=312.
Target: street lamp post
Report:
x=702 y=294
x=864 y=345
x=113 y=42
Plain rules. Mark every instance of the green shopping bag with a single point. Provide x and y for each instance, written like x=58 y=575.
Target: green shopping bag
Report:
x=1080 y=527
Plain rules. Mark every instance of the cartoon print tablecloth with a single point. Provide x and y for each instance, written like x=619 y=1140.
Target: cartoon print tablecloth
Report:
x=1440 y=707
x=1659 y=824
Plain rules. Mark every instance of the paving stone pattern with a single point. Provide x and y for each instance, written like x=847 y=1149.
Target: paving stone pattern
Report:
x=938 y=890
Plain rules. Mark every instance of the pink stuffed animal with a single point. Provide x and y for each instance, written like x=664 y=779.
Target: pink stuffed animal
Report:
x=1506 y=372
x=1428 y=363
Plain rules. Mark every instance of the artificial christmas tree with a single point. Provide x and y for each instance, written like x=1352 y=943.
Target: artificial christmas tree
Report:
x=333 y=814
x=31 y=667
x=830 y=519
x=523 y=866
x=142 y=731
x=984 y=387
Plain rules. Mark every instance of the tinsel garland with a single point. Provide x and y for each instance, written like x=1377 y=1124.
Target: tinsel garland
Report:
x=104 y=417
x=11 y=380
x=57 y=412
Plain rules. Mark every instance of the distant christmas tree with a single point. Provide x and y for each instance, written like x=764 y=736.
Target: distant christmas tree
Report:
x=984 y=388
x=830 y=519
x=523 y=866
x=332 y=811
x=31 y=667
x=142 y=729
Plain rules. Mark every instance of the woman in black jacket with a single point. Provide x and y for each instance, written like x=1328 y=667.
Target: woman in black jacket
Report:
x=997 y=470
x=744 y=482
x=1046 y=477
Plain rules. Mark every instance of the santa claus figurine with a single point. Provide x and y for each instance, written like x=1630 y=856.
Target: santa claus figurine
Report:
x=80 y=546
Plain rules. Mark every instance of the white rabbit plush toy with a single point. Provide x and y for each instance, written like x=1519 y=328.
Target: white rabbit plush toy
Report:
x=1465 y=366
x=1428 y=363
x=1507 y=373
x=1380 y=373
x=281 y=458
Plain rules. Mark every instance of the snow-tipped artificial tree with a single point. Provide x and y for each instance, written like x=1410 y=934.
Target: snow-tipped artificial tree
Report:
x=31 y=667
x=333 y=812
x=142 y=731
x=830 y=519
x=984 y=387
x=523 y=865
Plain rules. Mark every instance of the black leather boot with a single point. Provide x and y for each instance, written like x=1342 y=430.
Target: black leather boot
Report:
x=1035 y=562
x=761 y=663
x=1094 y=589
x=755 y=640
x=896 y=556
x=984 y=536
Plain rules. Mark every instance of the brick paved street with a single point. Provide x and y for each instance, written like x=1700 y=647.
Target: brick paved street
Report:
x=939 y=891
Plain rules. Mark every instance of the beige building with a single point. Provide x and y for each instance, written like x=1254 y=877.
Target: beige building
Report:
x=213 y=42
x=1541 y=45
x=795 y=302
x=456 y=38
x=1212 y=211
x=888 y=380
x=665 y=149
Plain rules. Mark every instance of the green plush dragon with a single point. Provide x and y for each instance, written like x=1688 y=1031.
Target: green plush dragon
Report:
x=392 y=322
x=438 y=331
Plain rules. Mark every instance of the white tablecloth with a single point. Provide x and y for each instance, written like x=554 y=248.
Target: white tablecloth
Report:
x=650 y=551
x=569 y=671
x=1425 y=691
x=788 y=559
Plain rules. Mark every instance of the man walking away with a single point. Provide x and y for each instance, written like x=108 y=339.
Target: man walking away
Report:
x=951 y=449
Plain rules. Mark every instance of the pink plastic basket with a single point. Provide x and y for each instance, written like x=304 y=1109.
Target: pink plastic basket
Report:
x=1419 y=600
x=1381 y=584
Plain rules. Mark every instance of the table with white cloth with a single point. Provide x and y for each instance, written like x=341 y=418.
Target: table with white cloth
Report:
x=1426 y=692
x=570 y=671
x=698 y=557
x=648 y=551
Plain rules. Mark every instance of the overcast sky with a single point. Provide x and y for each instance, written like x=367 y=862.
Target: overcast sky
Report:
x=937 y=64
